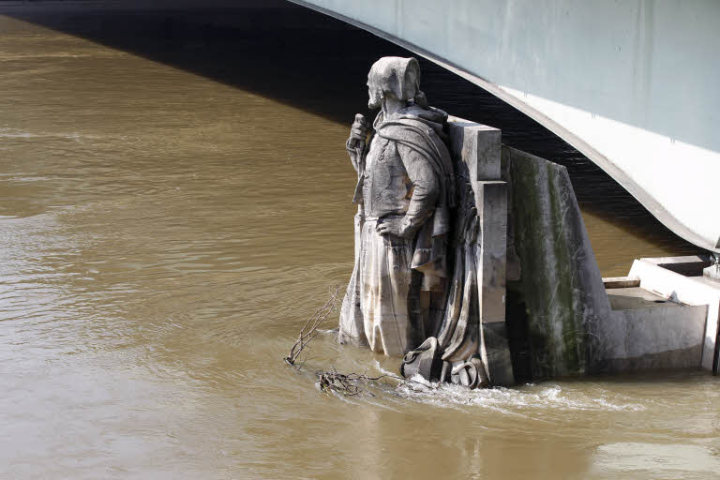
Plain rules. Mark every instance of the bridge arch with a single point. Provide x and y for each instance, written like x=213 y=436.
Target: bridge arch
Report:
x=630 y=84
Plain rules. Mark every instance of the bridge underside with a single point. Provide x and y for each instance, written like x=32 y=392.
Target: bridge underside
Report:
x=632 y=84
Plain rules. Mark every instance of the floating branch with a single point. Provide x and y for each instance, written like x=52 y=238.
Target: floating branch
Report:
x=310 y=329
x=349 y=384
x=346 y=384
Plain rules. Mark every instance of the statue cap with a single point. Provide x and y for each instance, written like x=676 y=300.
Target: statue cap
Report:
x=391 y=75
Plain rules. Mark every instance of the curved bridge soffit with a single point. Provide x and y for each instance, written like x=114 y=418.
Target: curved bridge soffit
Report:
x=632 y=85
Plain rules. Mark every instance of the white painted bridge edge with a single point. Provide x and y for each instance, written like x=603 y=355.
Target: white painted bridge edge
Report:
x=632 y=84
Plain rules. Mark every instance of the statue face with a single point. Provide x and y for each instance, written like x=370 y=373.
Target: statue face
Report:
x=375 y=95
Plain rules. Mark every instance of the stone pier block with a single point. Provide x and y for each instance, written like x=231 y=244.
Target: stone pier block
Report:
x=477 y=156
x=491 y=198
x=479 y=146
x=491 y=201
x=560 y=298
x=667 y=278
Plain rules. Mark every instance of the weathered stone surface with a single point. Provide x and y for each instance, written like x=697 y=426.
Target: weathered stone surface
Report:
x=560 y=293
x=629 y=298
x=414 y=199
x=479 y=145
x=473 y=335
x=621 y=282
x=497 y=354
x=653 y=337
x=680 y=279
x=491 y=198
x=431 y=277
x=405 y=190
x=424 y=361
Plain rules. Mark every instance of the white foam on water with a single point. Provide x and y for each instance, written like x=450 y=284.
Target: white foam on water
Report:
x=547 y=396
x=513 y=400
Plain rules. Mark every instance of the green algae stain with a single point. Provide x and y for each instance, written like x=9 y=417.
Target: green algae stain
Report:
x=543 y=241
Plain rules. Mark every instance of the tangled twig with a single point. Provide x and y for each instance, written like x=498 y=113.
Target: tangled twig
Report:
x=346 y=384
x=310 y=329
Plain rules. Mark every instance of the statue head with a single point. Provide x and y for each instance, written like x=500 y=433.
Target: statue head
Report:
x=396 y=77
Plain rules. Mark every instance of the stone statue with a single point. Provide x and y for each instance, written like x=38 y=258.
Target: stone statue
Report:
x=404 y=193
x=430 y=237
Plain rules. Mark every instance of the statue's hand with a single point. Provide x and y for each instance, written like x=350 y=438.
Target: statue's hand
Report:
x=393 y=226
x=358 y=133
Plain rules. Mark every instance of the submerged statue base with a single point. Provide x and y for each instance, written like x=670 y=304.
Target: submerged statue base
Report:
x=427 y=362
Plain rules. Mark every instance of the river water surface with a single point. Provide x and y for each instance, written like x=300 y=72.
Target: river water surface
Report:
x=175 y=202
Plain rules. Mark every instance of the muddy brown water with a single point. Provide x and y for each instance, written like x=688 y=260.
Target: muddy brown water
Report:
x=175 y=202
